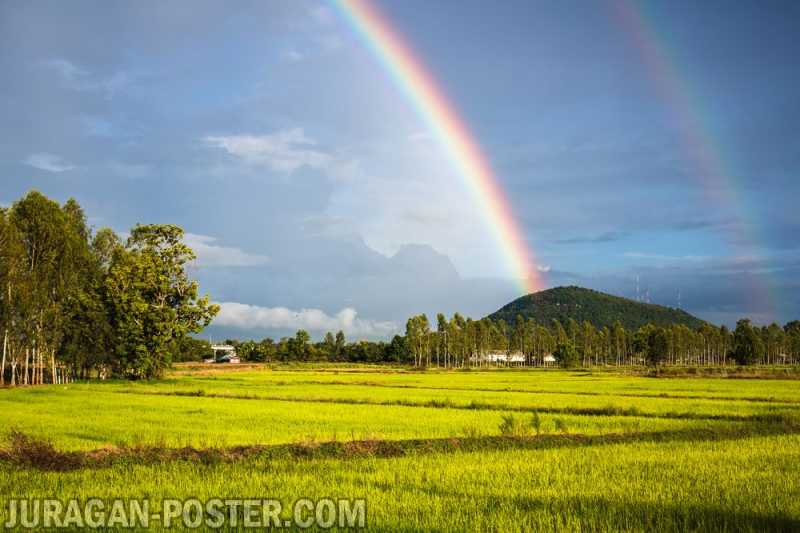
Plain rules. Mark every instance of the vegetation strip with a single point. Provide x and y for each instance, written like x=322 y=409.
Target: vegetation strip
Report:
x=665 y=396
x=609 y=410
x=29 y=452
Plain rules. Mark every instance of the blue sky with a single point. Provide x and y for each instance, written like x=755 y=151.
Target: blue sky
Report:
x=316 y=198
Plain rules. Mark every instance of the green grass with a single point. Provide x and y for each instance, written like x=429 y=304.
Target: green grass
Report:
x=614 y=452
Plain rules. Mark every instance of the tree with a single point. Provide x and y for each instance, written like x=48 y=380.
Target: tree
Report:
x=298 y=346
x=657 y=346
x=341 y=341
x=329 y=345
x=566 y=355
x=266 y=350
x=641 y=340
x=397 y=350
x=792 y=330
x=443 y=347
x=153 y=302
x=418 y=338
x=747 y=345
x=51 y=252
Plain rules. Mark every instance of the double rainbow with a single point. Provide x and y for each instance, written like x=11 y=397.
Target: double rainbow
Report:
x=703 y=150
x=444 y=122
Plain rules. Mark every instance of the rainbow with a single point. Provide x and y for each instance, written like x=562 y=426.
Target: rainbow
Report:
x=444 y=122
x=718 y=181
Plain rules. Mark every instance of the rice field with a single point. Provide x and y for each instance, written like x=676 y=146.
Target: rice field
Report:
x=429 y=451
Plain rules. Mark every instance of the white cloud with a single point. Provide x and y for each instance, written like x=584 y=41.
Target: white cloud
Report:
x=66 y=69
x=293 y=56
x=213 y=255
x=284 y=151
x=245 y=316
x=543 y=268
x=48 y=162
x=79 y=79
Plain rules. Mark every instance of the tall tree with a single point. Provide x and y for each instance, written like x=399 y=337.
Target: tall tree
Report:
x=747 y=344
x=152 y=299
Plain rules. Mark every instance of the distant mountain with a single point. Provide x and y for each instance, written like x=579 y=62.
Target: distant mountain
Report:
x=599 y=308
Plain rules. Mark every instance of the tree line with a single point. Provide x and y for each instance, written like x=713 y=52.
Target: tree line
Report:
x=76 y=303
x=461 y=342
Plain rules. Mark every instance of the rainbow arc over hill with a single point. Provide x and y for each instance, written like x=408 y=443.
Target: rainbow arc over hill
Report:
x=718 y=180
x=451 y=131
x=442 y=118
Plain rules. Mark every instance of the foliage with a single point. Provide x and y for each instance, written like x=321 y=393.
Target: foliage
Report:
x=72 y=302
x=747 y=346
x=566 y=355
x=657 y=346
x=152 y=300
x=597 y=308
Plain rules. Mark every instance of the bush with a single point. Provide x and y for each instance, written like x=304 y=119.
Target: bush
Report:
x=536 y=423
x=512 y=427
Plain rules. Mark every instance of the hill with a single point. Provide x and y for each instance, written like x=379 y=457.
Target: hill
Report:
x=599 y=308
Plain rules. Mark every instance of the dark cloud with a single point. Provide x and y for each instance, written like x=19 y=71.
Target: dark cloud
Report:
x=594 y=161
x=608 y=236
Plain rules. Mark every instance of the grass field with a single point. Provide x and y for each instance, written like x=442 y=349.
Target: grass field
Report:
x=428 y=450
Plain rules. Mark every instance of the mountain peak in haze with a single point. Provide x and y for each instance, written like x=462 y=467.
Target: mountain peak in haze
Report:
x=425 y=260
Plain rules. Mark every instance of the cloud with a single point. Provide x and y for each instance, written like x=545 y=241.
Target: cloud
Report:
x=48 y=162
x=212 y=255
x=293 y=56
x=661 y=257
x=283 y=151
x=699 y=224
x=245 y=316
x=79 y=79
x=608 y=236
x=66 y=69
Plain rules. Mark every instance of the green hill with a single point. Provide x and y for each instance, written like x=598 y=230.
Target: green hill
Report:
x=599 y=308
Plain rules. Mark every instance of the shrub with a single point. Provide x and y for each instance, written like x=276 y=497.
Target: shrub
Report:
x=472 y=432
x=512 y=426
x=536 y=423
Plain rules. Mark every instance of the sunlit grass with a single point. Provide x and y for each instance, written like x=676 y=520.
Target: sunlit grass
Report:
x=677 y=454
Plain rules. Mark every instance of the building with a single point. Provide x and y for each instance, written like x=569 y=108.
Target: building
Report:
x=224 y=353
x=501 y=357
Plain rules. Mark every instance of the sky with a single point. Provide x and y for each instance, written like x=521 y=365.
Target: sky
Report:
x=649 y=141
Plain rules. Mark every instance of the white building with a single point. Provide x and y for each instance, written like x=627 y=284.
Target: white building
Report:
x=224 y=353
x=501 y=357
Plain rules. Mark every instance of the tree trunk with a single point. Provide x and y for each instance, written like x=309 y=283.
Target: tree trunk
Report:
x=27 y=361
x=53 y=363
x=3 y=364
